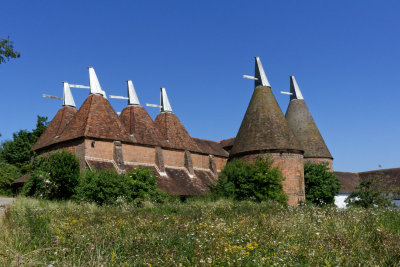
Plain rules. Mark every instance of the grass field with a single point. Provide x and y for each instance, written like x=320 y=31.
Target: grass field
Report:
x=196 y=233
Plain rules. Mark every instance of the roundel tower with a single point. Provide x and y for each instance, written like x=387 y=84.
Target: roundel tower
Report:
x=265 y=132
x=304 y=128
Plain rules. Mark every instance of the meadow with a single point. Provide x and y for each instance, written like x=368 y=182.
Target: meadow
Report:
x=197 y=232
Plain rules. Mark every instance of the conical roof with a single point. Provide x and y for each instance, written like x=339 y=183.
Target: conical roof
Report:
x=96 y=118
x=55 y=127
x=303 y=126
x=139 y=123
x=174 y=133
x=264 y=126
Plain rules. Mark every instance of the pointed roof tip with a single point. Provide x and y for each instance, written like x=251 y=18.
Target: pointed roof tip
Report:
x=164 y=102
x=260 y=75
x=295 y=89
x=95 y=87
x=68 y=100
x=133 y=99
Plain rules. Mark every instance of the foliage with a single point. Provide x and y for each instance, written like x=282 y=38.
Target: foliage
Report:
x=110 y=188
x=8 y=173
x=17 y=151
x=54 y=177
x=366 y=196
x=256 y=181
x=321 y=185
x=7 y=50
x=197 y=233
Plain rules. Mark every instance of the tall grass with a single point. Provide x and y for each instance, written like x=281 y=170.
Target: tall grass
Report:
x=202 y=233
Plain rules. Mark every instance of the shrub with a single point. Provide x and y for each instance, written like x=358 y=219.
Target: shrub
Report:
x=256 y=181
x=366 y=196
x=109 y=187
x=54 y=177
x=321 y=185
x=8 y=173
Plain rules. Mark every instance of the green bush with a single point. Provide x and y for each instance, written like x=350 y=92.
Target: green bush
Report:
x=256 y=181
x=321 y=185
x=110 y=188
x=8 y=173
x=54 y=177
x=366 y=196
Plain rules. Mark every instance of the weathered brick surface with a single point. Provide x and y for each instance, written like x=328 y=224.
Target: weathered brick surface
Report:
x=200 y=161
x=189 y=163
x=118 y=156
x=174 y=158
x=99 y=149
x=319 y=160
x=220 y=162
x=292 y=168
x=137 y=153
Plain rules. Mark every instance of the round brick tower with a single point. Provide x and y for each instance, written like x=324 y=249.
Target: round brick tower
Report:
x=264 y=132
x=304 y=128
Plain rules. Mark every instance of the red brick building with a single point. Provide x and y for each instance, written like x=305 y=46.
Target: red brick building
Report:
x=183 y=164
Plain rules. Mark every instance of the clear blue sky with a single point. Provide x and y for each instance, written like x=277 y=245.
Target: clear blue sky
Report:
x=344 y=55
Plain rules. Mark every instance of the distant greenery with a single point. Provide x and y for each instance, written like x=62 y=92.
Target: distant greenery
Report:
x=7 y=50
x=366 y=195
x=256 y=181
x=109 y=187
x=321 y=185
x=17 y=151
x=8 y=173
x=197 y=233
x=54 y=177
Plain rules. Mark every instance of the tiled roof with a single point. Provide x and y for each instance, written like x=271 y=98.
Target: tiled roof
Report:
x=139 y=123
x=264 y=126
x=383 y=179
x=55 y=127
x=348 y=181
x=306 y=131
x=96 y=118
x=174 y=133
x=210 y=147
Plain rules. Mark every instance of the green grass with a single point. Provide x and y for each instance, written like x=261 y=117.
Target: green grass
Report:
x=196 y=233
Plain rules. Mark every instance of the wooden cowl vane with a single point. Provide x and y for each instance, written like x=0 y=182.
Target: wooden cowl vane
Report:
x=303 y=125
x=264 y=127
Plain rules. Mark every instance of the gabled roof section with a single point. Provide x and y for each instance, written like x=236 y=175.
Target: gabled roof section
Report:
x=174 y=133
x=210 y=147
x=139 y=123
x=55 y=127
x=96 y=118
x=348 y=181
x=264 y=126
x=303 y=126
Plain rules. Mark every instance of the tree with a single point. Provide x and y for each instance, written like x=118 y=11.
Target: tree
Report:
x=366 y=195
x=256 y=181
x=8 y=173
x=321 y=185
x=54 y=177
x=17 y=151
x=7 y=50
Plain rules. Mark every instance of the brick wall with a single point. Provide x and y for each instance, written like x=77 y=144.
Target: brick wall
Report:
x=99 y=149
x=318 y=160
x=200 y=161
x=220 y=162
x=174 y=158
x=137 y=153
x=292 y=168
